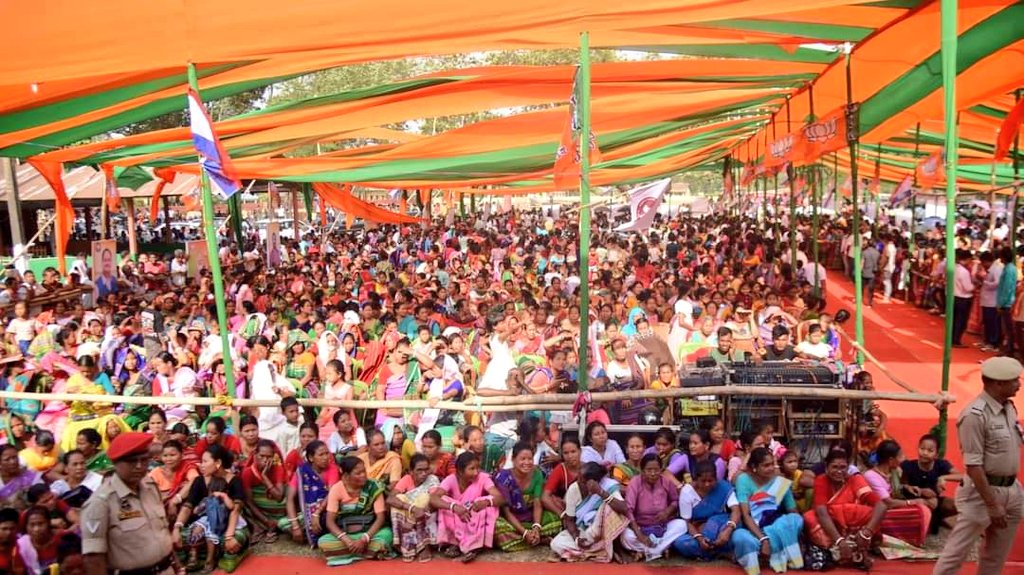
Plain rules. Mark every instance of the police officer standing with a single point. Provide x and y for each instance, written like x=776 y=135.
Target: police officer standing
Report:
x=990 y=499
x=124 y=525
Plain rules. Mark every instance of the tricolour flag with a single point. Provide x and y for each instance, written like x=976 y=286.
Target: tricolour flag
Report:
x=568 y=156
x=902 y=193
x=213 y=159
x=643 y=205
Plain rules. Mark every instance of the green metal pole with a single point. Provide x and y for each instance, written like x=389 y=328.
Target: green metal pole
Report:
x=816 y=180
x=878 y=191
x=858 y=283
x=949 y=72
x=584 y=255
x=211 y=250
x=1012 y=216
x=235 y=209
x=913 y=197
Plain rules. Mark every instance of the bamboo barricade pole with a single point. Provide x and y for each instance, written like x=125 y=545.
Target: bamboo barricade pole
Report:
x=872 y=359
x=546 y=401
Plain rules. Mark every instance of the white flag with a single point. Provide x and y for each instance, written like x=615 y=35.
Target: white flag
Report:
x=643 y=205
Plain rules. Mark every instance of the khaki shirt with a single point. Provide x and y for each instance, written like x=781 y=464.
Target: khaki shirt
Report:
x=130 y=528
x=990 y=436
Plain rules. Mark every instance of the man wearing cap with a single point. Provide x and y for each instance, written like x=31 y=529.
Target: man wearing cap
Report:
x=124 y=526
x=990 y=499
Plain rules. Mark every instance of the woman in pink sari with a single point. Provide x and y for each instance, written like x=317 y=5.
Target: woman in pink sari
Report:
x=467 y=506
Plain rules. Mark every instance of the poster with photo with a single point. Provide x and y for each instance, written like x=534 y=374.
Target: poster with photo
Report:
x=273 y=245
x=104 y=267
x=198 y=258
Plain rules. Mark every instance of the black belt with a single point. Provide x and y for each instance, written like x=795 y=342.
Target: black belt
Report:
x=159 y=567
x=1001 y=480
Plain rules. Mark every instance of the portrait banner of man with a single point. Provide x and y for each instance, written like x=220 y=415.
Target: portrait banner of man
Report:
x=198 y=258
x=104 y=267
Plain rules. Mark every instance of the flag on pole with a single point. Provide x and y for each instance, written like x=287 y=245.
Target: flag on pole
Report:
x=64 y=213
x=110 y=191
x=930 y=170
x=1008 y=131
x=568 y=156
x=643 y=205
x=799 y=189
x=903 y=192
x=166 y=176
x=213 y=159
x=190 y=200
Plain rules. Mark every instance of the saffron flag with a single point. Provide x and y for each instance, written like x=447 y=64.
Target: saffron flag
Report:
x=747 y=175
x=931 y=170
x=847 y=189
x=110 y=192
x=64 y=213
x=190 y=200
x=568 y=156
x=643 y=205
x=166 y=176
x=213 y=159
x=902 y=193
x=1008 y=130
x=780 y=152
x=821 y=137
x=799 y=189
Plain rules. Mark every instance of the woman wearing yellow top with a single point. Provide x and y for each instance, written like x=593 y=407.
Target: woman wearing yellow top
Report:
x=86 y=415
x=382 y=464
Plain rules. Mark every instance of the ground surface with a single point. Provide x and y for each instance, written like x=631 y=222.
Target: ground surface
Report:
x=905 y=339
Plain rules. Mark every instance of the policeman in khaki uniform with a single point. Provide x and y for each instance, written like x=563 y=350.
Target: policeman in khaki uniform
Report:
x=990 y=499
x=124 y=525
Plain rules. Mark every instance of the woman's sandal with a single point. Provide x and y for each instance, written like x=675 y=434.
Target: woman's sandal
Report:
x=452 y=552
x=468 y=557
x=270 y=537
x=425 y=556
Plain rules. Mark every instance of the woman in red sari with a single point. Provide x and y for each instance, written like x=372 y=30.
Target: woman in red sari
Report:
x=847 y=514
x=216 y=434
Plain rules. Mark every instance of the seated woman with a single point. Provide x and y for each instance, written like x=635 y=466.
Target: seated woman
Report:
x=88 y=443
x=672 y=460
x=41 y=454
x=712 y=513
x=308 y=432
x=653 y=502
x=348 y=438
x=771 y=526
x=700 y=452
x=601 y=449
x=562 y=476
x=906 y=519
x=846 y=516
x=381 y=463
x=174 y=476
x=38 y=545
x=926 y=476
x=803 y=479
x=248 y=440
x=630 y=468
x=595 y=516
x=467 y=504
x=398 y=443
x=439 y=460
x=89 y=415
x=413 y=521
x=356 y=517
x=307 y=494
x=263 y=479
x=15 y=479
x=524 y=522
x=212 y=513
x=216 y=434
x=79 y=483
x=490 y=456
x=720 y=444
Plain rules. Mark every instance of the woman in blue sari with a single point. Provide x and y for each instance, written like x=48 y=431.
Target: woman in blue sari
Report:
x=771 y=523
x=712 y=513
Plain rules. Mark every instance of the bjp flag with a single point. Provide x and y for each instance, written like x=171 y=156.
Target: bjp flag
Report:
x=568 y=156
x=931 y=170
x=821 y=137
x=112 y=194
x=781 y=151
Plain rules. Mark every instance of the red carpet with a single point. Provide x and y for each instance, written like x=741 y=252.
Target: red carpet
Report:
x=311 y=566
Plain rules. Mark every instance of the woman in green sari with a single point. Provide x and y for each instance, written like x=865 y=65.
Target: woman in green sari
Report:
x=524 y=523
x=88 y=442
x=356 y=513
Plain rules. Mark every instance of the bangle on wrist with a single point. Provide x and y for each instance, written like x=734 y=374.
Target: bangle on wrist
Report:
x=179 y=525
x=451 y=507
x=536 y=526
x=730 y=523
x=762 y=539
x=699 y=536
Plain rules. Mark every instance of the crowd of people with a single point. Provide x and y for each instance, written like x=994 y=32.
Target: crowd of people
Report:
x=449 y=311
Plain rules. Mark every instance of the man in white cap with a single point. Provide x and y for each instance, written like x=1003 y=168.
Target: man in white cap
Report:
x=990 y=500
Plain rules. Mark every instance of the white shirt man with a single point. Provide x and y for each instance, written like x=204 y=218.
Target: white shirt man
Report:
x=963 y=284
x=990 y=286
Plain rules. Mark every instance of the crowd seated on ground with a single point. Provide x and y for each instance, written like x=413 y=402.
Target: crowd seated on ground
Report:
x=450 y=312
